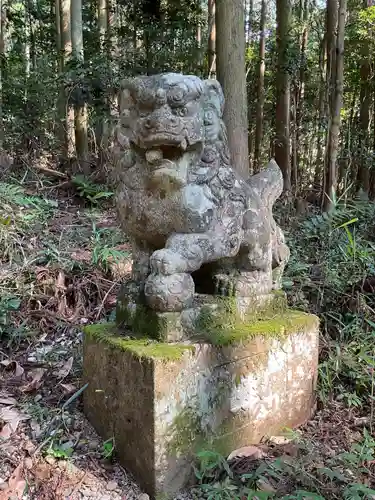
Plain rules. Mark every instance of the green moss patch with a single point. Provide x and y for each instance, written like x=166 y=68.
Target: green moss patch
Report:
x=140 y=347
x=224 y=327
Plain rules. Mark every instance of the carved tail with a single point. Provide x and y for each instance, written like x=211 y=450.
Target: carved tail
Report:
x=268 y=183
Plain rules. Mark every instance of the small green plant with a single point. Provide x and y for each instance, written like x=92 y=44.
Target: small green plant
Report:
x=103 y=254
x=7 y=306
x=209 y=462
x=89 y=190
x=108 y=449
x=63 y=450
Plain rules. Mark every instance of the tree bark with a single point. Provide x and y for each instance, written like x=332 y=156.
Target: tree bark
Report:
x=230 y=50
x=282 y=139
x=363 y=180
x=336 y=104
x=102 y=23
x=322 y=119
x=2 y=55
x=66 y=49
x=60 y=68
x=80 y=108
x=211 y=39
x=260 y=90
x=304 y=17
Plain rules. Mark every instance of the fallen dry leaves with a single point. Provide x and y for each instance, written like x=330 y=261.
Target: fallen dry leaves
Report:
x=36 y=380
x=14 y=366
x=64 y=369
x=16 y=484
x=10 y=417
x=251 y=452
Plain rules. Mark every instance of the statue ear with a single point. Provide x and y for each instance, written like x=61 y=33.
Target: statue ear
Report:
x=215 y=94
x=128 y=89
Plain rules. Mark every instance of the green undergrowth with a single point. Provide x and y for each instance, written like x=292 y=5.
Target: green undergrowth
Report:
x=304 y=475
x=107 y=333
x=332 y=274
x=57 y=257
x=223 y=326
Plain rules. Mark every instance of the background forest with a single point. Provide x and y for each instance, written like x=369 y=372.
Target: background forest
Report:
x=305 y=71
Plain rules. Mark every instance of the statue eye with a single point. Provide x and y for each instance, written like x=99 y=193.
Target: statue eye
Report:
x=181 y=111
x=208 y=118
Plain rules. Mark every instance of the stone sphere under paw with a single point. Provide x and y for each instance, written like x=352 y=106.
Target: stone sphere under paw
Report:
x=169 y=293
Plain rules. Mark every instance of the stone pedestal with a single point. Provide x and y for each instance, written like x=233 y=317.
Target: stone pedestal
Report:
x=162 y=402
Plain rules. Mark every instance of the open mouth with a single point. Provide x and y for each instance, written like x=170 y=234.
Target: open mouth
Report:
x=172 y=152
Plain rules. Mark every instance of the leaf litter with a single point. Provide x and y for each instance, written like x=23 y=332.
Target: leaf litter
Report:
x=40 y=368
x=48 y=450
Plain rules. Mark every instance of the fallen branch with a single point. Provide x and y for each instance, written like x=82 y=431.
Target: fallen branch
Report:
x=49 y=171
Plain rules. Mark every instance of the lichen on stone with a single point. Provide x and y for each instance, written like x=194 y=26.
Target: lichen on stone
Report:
x=108 y=333
x=186 y=431
x=223 y=326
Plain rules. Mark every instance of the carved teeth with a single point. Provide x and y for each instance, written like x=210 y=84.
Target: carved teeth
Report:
x=154 y=156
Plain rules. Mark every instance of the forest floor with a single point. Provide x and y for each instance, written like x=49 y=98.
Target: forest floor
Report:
x=62 y=257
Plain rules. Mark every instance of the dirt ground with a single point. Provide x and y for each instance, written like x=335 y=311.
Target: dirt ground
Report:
x=61 y=263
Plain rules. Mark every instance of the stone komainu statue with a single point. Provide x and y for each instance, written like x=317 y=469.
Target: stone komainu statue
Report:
x=194 y=223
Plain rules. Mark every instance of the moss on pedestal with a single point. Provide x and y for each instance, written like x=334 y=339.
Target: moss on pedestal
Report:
x=108 y=333
x=144 y=322
x=223 y=326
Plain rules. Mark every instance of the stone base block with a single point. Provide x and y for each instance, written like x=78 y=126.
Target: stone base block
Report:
x=163 y=402
x=138 y=320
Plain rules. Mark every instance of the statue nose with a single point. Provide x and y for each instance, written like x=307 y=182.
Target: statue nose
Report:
x=156 y=121
x=148 y=123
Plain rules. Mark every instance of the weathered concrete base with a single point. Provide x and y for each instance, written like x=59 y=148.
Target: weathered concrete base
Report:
x=163 y=402
x=133 y=315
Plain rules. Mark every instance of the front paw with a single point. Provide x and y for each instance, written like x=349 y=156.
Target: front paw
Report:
x=166 y=262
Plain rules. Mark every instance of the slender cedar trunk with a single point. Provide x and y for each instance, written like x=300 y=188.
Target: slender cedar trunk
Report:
x=151 y=13
x=293 y=135
x=282 y=139
x=211 y=39
x=372 y=172
x=249 y=11
x=260 y=90
x=102 y=109
x=60 y=69
x=102 y=24
x=2 y=56
x=80 y=108
x=112 y=22
x=66 y=50
x=363 y=179
x=336 y=104
x=109 y=53
x=301 y=89
x=230 y=47
x=322 y=119
x=31 y=30
x=346 y=161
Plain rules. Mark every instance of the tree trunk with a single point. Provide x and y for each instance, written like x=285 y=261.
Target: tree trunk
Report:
x=363 y=180
x=60 y=69
x=282 y=139
x=322 y=119
x=260 y=90
x=102 y=23
x=2 y=55
x=80 y=108
x=336 y=104
x=230 y=50
x=304 y=16
x=66 y=49
x=372 y=173
x=211 y=40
